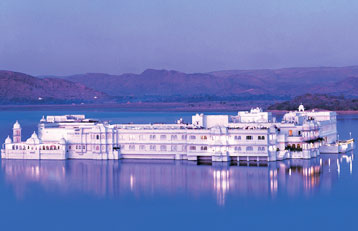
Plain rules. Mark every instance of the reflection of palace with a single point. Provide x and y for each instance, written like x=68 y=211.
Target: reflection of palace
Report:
x=143 y=178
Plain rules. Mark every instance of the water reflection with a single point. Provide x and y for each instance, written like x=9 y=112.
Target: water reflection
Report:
x=149 y=178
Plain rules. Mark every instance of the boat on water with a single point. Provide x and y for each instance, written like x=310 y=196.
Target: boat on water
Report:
x=249 y=136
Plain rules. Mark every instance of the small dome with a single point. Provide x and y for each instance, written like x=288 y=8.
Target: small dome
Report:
x=16 y=125
x=301 y=108
x=34 y=136
x=8 y=140
x=33 y=139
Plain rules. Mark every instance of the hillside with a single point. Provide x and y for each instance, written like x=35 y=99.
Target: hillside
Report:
x=237 y=84
x=19 y=88
x=325 y=102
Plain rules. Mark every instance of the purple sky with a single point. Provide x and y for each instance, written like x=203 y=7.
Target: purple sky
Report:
x=114 y=36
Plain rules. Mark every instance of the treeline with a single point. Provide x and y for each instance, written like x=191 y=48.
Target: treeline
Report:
x=318 y=101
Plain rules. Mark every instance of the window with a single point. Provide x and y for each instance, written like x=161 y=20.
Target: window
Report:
x=237 y=148
x=290 y=132
x=132 y=147
x=203 y=148
x=131 y=137
x=163 y=137
x=261 y=137
x=192 y=137
x=152 y=147
x=237 y=137
x=163 y=147
x=183 y=137
x=174 y=147
x=261 y=148
x=249 y=148
x=204 y=137
x=142 y=147
x=141 y=137
x=192 y=148
x=174 y=137
x=152 y=137
x=248 y=137
x=97 y=137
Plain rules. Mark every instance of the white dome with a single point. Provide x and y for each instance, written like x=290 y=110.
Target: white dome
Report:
x=34 y=136
x=33 y=139
x=8 y=140
x=16 y=125
x=301 y=108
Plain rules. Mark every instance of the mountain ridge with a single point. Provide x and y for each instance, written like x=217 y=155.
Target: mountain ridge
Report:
x=288 y=82
x=19 y=88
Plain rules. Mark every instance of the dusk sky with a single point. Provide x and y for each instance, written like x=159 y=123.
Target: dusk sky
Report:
x=113 y=36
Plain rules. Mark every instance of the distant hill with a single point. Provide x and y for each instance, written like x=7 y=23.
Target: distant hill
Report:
x=19 y=88
x=326 y=102
x=238 y=84
x=174 y=86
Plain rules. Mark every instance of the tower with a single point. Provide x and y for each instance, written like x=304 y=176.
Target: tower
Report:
x=16 y=130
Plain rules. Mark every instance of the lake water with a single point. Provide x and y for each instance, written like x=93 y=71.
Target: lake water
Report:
x=320 y=193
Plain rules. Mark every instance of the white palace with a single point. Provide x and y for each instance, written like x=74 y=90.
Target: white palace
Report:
x=249 y=136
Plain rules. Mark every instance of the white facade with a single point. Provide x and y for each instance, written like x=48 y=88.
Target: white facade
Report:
x=249 y=136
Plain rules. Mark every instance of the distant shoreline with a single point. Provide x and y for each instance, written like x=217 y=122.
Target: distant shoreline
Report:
x=153 y=107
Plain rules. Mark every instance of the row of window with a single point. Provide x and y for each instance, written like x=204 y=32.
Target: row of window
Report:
x=177 y=147
x=22 y=147
x=143 y=147
x=249 y=137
